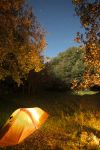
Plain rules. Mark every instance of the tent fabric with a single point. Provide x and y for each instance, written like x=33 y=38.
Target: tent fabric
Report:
x=21 y=124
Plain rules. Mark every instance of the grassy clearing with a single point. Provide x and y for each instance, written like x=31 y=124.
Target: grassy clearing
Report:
x=85 y=92
x=72 y=124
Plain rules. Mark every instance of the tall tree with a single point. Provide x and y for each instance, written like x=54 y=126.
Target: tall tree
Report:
x=22 y=40
x=89 y=13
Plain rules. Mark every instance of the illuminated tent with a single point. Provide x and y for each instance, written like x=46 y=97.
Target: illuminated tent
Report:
x=21 y=124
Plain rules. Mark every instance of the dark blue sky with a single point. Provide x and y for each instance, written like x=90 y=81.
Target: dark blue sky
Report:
x=57 y=17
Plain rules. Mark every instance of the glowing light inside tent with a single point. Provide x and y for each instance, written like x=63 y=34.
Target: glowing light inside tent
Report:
x=36 y=116
x=22 y=123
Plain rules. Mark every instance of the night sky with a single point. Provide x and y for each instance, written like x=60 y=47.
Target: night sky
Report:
x=59 y=20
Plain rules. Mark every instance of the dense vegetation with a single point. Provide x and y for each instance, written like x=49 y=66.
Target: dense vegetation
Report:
x=67 y=66
x=89 y=14
x=22 y=40
x=58 y=74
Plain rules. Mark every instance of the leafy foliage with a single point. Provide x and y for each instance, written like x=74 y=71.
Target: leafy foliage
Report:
x=89 y=13
x=68 y=65
x=22 y=40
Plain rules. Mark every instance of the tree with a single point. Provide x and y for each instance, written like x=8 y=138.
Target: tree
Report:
x=22 y=40
x=67 y=66
x=89 y=13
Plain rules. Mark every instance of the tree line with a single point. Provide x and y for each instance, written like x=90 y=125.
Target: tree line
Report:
x=22 y=41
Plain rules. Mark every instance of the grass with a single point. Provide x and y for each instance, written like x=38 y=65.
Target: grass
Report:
x=85 y=92
x=72 y=120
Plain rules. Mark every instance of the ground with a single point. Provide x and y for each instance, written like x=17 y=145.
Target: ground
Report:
x=73 y=122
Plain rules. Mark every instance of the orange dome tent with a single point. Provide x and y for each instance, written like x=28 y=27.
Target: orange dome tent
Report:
x=21 y=124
